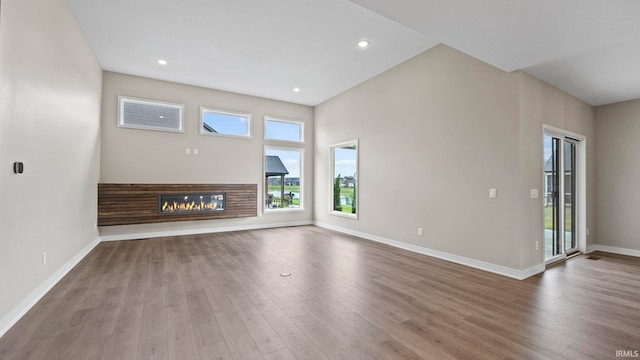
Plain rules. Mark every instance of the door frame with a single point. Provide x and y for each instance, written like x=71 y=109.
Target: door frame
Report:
x=576 y=176
x=581 y=187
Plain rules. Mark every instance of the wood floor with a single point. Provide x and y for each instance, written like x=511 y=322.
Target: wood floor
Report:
x=221 y=296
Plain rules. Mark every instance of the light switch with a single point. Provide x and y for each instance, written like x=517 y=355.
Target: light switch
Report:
x=187 y=151
x=493 y=193
x=534 y=193
x=195 y=151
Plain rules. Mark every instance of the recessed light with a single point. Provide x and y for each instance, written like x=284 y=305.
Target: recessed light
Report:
x=363 y=44
x=162 y=62
x=296 y=90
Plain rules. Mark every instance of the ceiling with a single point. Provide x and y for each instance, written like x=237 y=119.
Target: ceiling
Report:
x=588 y=48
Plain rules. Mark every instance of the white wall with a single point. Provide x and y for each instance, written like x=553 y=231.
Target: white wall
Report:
x=50 y=88
x=435 y=134
x=142 y=156
x=617 y=133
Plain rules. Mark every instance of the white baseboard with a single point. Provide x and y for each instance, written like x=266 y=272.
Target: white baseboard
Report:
x=615 y=250
x=13 y=316
x=180 y=232
x=496 y=269
x=18 y=311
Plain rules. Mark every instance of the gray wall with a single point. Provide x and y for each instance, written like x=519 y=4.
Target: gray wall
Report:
x=50 y=86
x=142 y=156
x=541 y=103
x=617 y=133
x=435 y=134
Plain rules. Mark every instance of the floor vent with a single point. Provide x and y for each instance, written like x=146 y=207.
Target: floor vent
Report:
x=593 y=257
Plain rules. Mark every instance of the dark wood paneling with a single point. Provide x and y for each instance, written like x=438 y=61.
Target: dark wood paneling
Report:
x=125 y=204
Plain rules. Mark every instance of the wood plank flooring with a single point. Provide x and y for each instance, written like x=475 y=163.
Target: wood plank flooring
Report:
x=221 y=296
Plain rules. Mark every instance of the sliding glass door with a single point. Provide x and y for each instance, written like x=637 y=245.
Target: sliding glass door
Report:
x=560 y=187
x=552 y=246
x=570 y=245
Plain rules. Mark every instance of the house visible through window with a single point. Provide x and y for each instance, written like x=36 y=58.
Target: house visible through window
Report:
x=283 y=178
x=344 y=179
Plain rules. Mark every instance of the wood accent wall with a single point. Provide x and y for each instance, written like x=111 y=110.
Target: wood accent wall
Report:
x=126 y=204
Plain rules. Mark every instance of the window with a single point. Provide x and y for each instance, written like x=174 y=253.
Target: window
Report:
x=225 y=123
x=283 y=178
x=344 y=179
x=150 y=114
x=284 y=130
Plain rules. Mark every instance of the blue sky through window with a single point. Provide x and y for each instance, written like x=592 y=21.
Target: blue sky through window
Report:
x=280 y=130
x=344 y=162
x=226 y=124
x=547 y=147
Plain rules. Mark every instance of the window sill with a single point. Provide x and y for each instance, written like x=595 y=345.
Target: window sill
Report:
x=283 y=210
x=344 y=215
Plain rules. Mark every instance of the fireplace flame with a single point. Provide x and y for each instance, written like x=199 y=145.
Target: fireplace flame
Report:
x=192 y=206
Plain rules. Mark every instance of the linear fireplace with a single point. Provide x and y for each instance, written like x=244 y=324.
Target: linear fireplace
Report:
x=191 y=203
x=128 y=204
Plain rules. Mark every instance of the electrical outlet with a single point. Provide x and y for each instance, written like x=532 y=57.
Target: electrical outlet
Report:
x=44 y=257
x=419 y=230
x=537 y=244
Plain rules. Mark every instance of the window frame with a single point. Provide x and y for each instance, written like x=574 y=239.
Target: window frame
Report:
x=204 y=109
x=332 y=211
x=300 y=150
x=124 y=99
x=288 y=121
